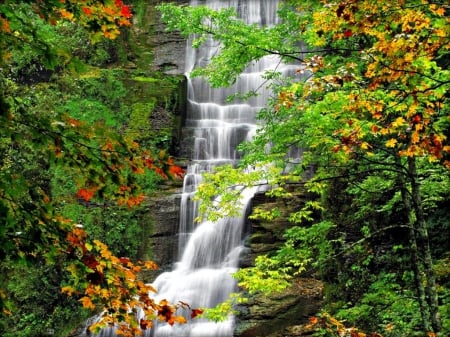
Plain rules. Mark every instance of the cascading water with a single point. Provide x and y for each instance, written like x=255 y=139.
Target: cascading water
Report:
x=210 y=251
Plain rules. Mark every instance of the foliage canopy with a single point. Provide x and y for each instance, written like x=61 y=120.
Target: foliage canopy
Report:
x=370 y=112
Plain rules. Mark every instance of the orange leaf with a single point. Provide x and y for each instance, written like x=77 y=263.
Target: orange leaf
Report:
x=85 y=194
x=313 y=320
x=150 y=265
x=160 y=172
x=87 y=303
x=176 y=171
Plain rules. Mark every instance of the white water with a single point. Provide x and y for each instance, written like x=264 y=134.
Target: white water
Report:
x=210 y=251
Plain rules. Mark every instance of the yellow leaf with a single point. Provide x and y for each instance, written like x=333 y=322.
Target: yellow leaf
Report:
x=415 y=137
x=68 y=289
x=391 y=142
x=384 y=131
x=399 y=122
x=364 y=145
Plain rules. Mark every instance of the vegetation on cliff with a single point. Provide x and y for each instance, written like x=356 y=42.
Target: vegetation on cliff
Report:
x=77 y=158
x=371 y=114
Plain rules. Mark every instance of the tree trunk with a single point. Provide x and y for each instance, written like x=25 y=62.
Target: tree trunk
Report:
x=424 y=246
x=414 y=251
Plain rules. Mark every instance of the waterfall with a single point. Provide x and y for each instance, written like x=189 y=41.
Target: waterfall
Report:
x=210 y=251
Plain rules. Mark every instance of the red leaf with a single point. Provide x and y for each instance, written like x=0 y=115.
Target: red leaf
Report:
x=165 y=312
x=348 y=33
x=90 y=261
x=144 y=324
x=87 y=11
x=416 y=119
x=160 y=172
x=196 y=312
x=126 y=12
x=176 y=171
x=124 y=260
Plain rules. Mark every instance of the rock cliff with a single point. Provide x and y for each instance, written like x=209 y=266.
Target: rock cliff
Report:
x=280 y=314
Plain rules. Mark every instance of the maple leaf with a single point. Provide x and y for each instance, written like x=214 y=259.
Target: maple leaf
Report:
x=4 y=24
x=348 y=33
x=176 y=171
x=165 y=312
x=85 y=194
x=135 y=201
x=159 y=171
x=68 y=290
x=124 y=260
x=66 y=14
x=144 y=324
x=150 y=265
x=196 y=312
x=90 y=261
x=313 y=320
x=178 y=319
x=87 y=11
x=391 y=142
x=87 y=303
x=126 y=12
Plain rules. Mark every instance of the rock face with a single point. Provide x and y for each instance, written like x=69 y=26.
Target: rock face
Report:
x=282 y=314
x=162 y=216
x=166 y=49
x=157 y=100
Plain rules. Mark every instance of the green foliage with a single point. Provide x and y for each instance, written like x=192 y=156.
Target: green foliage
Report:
x=38 y=305
x=229 y=183
x=389 y=307
x=370 y=113
x=223 y=310
x=242 y=43
x=269 y=275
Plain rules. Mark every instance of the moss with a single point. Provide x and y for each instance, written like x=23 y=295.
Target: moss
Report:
x=145 y=79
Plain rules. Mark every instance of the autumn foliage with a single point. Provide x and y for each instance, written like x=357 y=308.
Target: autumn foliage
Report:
x=333 y=327
x=110 y=285
x=397 y=92
x=103 y=163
